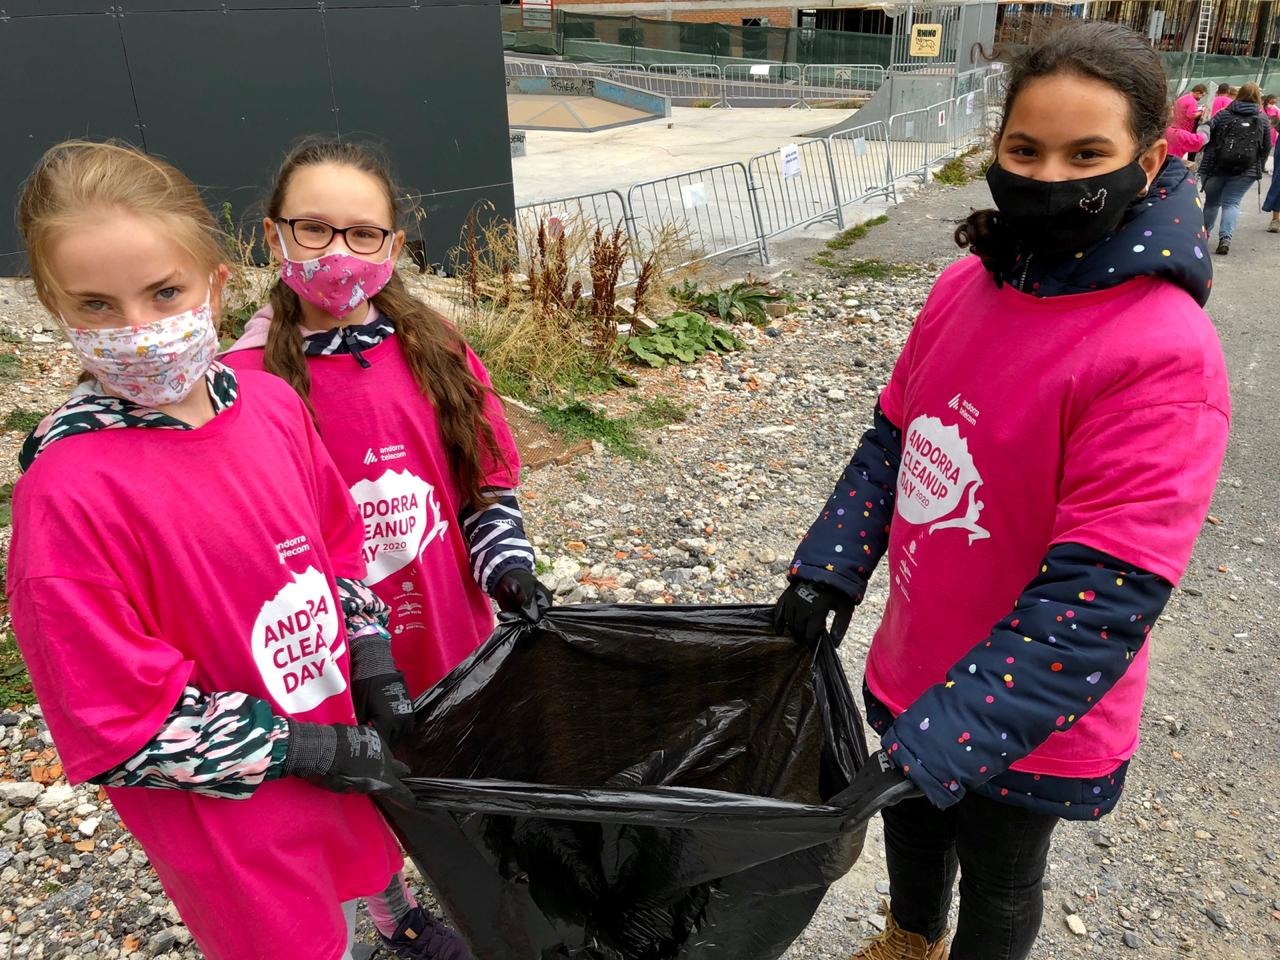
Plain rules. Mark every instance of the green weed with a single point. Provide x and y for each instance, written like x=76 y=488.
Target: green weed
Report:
x=956 y=173
x=851 y=236
x=10 y=366
x=15 y=684
x=23 y=420
x=577 y=421
x=682 y=337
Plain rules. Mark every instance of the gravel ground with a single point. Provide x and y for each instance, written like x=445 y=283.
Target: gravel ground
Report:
x=1189 y=864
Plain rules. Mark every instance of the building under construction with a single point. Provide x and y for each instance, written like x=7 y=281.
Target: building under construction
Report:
x=1243 y=28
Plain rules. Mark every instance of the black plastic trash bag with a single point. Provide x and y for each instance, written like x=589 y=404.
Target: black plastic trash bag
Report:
x=635 y=783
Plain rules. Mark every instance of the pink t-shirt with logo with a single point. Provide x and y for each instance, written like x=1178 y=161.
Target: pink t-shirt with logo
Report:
x=1220 y=103
x=385 y=438
x=146 y=560
x=1097 y=419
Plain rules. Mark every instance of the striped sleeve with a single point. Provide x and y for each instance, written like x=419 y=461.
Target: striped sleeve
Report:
x=496 y=539
x=218 y=744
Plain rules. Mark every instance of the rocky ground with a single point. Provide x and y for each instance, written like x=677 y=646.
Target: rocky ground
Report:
x=1189 y=865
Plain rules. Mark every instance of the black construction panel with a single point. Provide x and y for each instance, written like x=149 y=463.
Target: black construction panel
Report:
x=445 y=124
x=226 y=121
x=55 y=8
x=44 y=102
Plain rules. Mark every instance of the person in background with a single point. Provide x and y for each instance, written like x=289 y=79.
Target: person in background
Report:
x=1184 y=143
x=1186 y=109
x=1011 y=694
x=1222 y=99
x=1232 y=161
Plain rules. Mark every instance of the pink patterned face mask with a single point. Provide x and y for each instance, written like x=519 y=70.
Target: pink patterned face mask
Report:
x=337 y=283
x=155 y=364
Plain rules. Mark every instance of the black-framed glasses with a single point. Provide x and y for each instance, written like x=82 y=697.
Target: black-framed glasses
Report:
x=312 y=234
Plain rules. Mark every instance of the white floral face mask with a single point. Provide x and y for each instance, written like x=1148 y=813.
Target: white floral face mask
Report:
x=156 y=364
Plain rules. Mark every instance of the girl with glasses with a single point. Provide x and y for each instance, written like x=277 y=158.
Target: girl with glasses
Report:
x=408 y=413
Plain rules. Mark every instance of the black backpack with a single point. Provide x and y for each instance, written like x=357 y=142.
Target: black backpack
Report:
x=1238 y=138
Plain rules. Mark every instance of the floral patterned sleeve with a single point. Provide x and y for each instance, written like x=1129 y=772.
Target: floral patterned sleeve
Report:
x=218 y=744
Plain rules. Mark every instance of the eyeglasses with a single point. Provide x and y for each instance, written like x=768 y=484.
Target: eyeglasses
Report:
x=316 y=235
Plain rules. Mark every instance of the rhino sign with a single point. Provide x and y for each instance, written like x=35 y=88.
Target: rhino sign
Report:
x=937 y=473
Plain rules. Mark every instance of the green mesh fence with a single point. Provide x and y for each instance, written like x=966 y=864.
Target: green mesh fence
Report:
x=602 y=39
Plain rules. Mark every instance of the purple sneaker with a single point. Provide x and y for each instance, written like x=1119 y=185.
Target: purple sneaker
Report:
x=421 y=936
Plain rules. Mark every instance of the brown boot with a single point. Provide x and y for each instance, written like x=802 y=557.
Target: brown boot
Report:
x=897 y=944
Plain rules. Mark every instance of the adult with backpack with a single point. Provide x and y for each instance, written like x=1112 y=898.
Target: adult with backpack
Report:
x=1233 y=160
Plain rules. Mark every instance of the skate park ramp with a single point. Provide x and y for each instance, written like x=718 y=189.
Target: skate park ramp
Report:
x=579 y=104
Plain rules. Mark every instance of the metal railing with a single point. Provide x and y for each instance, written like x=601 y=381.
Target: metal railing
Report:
x=727 y=85
x=736 y=207
x=702 y=214
x=780 y=84
x=794 y=186
x=860 y=162
x=841 y=81
x=607 y=210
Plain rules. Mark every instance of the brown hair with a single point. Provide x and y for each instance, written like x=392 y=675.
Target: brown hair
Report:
x=79 y=178
x=1200 y=88
x=1250 y=92
x=1113 y=54
x=435 y=351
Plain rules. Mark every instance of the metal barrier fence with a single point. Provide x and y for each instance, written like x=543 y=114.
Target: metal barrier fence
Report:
x=860 y=163
x=781 y=83
x=607 y=210
x=703 y=214
x=735 y=207
x=685 y=81
x=840 y=81
x=794 y=187
x=728 y=85
x=919 y=139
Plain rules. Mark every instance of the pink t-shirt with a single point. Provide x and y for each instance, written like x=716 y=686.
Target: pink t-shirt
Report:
x=146 y=560
x=1183 y=142
x=385 y=438
x=1273 y=112
x=1097 y=419
x=1220 y=103
x=1185 y=109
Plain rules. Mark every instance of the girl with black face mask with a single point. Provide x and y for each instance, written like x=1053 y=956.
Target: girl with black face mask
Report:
x=1037 y=470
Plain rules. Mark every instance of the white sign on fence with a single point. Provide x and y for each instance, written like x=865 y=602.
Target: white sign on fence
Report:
x=694 y=195
x=859 y=146
x=910 y=128
x=968 y=104
x=942 y=118
x=790 y=155
x=759 y=69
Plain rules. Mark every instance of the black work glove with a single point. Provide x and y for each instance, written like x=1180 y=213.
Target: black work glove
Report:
x=384 y=702
x=876 y=785
x=518 y=591
x=803 y=609
x=345 y=759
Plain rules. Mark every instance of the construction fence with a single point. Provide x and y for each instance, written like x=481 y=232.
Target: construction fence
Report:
x=738 y=208
x=604 y=39
x=727 y=85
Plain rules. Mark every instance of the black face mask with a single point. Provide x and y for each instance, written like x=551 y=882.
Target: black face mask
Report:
x=1066 y=216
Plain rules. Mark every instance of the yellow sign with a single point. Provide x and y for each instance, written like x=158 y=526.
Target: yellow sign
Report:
x=926 y=40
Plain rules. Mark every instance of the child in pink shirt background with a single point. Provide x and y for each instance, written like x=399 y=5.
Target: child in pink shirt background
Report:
x=201 y=647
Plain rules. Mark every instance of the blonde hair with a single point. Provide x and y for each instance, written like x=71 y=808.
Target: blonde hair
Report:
x=1251 y=92
x=78 y=178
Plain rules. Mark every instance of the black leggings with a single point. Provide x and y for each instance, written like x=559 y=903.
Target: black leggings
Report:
x=1001 y=852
